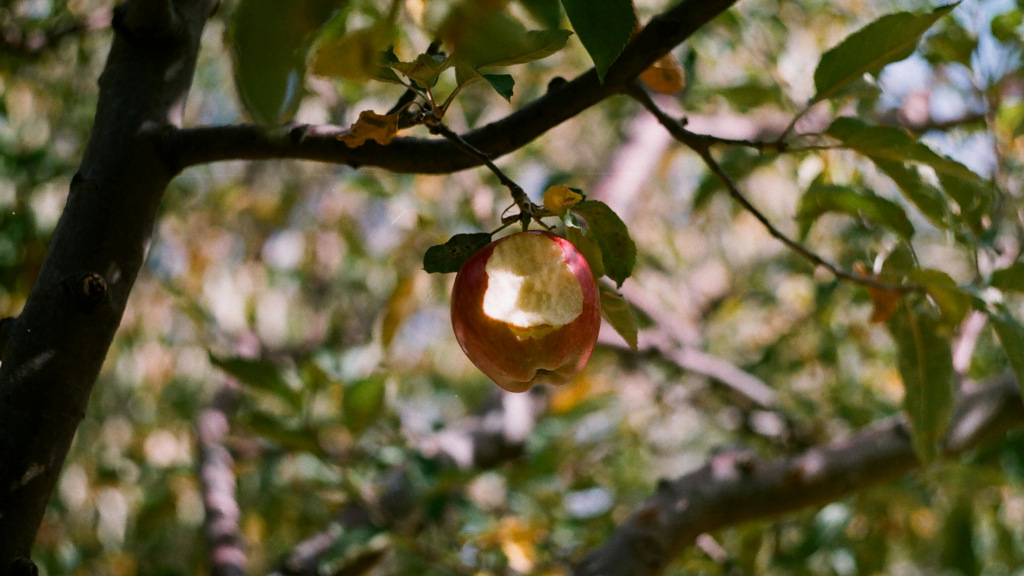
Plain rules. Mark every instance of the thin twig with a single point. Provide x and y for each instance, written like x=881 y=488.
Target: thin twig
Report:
x=527 y=209
x=702 y=146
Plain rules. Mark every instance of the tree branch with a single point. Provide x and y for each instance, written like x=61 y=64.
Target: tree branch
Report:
x=217 y=479
x=702 y=146
x=734 y=486
x=58 y=344
x=434 y=156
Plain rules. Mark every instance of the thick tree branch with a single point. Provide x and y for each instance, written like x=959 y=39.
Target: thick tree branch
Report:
x=562 y=102
x=58 y=345
x=735 y=486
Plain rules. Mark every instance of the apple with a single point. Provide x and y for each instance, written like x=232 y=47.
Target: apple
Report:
x=526 y=309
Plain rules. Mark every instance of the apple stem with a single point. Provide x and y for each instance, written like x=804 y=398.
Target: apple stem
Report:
x=527 y=209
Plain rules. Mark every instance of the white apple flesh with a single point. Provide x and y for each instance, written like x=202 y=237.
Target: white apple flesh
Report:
x=526 y=309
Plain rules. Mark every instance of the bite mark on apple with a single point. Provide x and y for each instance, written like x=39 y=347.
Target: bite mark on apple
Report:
x=530 y=287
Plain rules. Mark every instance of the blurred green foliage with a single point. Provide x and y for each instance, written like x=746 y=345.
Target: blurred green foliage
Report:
x=313 y=273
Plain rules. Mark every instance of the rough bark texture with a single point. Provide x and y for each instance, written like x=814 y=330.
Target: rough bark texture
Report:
x=58 y=343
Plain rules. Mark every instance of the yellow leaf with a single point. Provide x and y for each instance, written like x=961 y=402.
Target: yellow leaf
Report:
x=885 y=302
x=666 y=75
x=517 y=542
x=400 y=305
x=354 y=56
x=558 y=199
x=371 y=126
x=565 y=398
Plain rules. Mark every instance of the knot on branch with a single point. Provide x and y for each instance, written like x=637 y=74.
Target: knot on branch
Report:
x=88 y=291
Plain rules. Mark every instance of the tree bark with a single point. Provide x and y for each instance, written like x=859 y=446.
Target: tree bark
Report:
x=57 y=345
x=735 y=486
x=563 y=101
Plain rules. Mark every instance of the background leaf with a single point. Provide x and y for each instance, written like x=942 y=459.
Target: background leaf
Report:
x=927 y=198
x=889 y=39
x=821 y=198
x=926 y=366
x=363 y=402
x=269 y=44
x=547 y=12
x=1011 y=336
x=974 y=199
x=953 y=302
x=889 y=143
x=1010 y=278
x=604 y=28
x=260 y=375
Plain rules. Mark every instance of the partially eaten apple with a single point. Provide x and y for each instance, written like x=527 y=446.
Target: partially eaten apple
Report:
x=526 y=309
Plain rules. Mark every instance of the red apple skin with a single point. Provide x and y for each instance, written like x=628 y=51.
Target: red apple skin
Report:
x=516 y=363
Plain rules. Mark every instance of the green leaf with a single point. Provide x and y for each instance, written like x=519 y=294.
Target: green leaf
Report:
x=547 y=12
x=889 y=39
x=315 y=378
x=498 y=40
x=898 y=264
x=502 y=84
x=1005 y=26
x=619 y=314
x=926 y=367
x=618 y=251
x=1010 y=118
x=953 y=302
x=587 y=245
x=259 y=375
x=425 y=69
x=952 y=43
x=974 y=198
x=893 y=144
x=1010 y=278
x=269 y=41
x=450 y=256
x=928 y=199
x=604 y=28
x=287 y=434
x=752 y=94
x=959 y=539
x=1011 y=336
x=820 y=199
x=363 y=402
